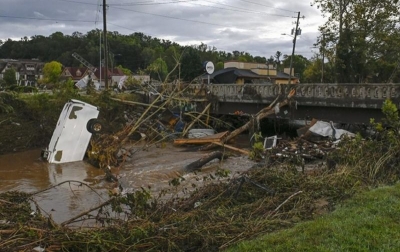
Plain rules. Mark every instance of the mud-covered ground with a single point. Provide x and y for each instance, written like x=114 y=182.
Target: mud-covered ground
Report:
x=18 y=133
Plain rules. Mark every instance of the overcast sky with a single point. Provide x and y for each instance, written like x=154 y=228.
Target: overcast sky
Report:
x=253 y=26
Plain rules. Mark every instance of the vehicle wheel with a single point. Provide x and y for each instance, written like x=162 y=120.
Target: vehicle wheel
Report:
x=94 y=126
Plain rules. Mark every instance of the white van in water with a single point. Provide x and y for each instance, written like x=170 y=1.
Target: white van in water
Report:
x=71 y=137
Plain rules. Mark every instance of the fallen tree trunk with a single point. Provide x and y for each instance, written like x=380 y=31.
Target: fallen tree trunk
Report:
x=204 y=160
x=265 y=112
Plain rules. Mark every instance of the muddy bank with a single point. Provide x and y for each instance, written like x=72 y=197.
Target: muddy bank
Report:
x=18 y=133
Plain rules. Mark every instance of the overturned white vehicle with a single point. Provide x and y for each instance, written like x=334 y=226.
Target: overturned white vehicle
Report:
x=74 y=129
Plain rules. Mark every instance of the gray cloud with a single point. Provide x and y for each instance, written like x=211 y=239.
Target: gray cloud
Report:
x=240 y=25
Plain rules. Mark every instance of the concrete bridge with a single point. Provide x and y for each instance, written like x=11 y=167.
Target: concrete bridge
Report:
x=342 y=103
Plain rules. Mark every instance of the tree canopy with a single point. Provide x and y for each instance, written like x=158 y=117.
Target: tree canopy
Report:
x=9 y=77
x=52 y=72
x=361 y=37
x=135 y=52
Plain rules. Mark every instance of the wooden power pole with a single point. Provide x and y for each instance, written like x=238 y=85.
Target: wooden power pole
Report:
x=296 y=32
x=105 y=44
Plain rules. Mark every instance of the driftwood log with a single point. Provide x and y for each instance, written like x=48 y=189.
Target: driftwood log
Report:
x=196 y=165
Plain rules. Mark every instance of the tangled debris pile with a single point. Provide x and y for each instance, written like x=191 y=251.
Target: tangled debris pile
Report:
x=273 y=195
x=264 y=199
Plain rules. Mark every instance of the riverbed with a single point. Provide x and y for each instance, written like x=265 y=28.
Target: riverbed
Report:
x=151 y=168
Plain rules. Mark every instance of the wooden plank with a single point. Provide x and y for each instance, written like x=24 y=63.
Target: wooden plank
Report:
x=232 y=148
x=202 y=140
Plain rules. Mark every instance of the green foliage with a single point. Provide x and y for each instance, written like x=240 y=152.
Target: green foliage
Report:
x=136 y=203
x=376 y=160
x=142 y=48
x=125 y=70
x=158 y=69
x=392 y=114
x=191 y=66
x=5 y=103
x=9 y=77
x=219 y=66
x=65 y=91
x=361 y=50
x=22 y=89
x=258 y=147
x=300 y=63
x=52 y=72
x=315 y=72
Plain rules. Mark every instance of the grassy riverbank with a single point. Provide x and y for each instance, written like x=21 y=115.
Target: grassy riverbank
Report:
x=367 y=222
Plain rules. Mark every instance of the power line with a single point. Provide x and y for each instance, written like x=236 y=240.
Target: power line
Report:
x=237 y=9
x=78 y=2
x=150 y=3
x=48 y=19
x=266 y=6
x=193 y=3
x=144 y=3
x=182 y=19
x=245 y=10
x=97 y=11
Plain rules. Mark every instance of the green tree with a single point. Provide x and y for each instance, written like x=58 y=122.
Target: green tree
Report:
x=126 y=71
x=158 y=69
x=52 y=72
x=219 y=66
x=191 y=66
x=278 y=56
x=357 y=35
x=9 y=77
x=314 y=70
x=299 y=64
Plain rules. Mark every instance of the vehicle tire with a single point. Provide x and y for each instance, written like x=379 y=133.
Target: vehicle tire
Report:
x=94 y=126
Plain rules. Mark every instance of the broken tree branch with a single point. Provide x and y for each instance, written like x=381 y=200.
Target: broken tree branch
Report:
x=291 y=196
x=262 y=114
x=265 y=112
x=64 y=182
x=196 y=119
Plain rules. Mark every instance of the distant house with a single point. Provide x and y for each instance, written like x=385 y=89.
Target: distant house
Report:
x=245 y=72
x=235 y=75
x=74 y=73
x=27 y=71
x=114 y=76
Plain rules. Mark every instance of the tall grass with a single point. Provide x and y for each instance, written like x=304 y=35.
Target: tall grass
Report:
x=367 y=222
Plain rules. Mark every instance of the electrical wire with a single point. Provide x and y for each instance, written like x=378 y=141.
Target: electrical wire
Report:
x=182 y=19
x=48 y=19
x=246 y=1
x=97 y=12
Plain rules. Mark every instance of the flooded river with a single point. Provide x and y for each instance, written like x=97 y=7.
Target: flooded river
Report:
x=149 y=168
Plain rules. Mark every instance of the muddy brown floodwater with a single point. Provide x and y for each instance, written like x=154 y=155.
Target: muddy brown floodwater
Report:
x=152 y=168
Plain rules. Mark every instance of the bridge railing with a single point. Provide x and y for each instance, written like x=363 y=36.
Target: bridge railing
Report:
x=318 y=94
x=355 y=91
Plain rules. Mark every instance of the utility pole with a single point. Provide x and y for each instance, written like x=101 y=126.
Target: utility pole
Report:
x=323 y=58
x=100 y=56
x=296 y=32
x=105 y=44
